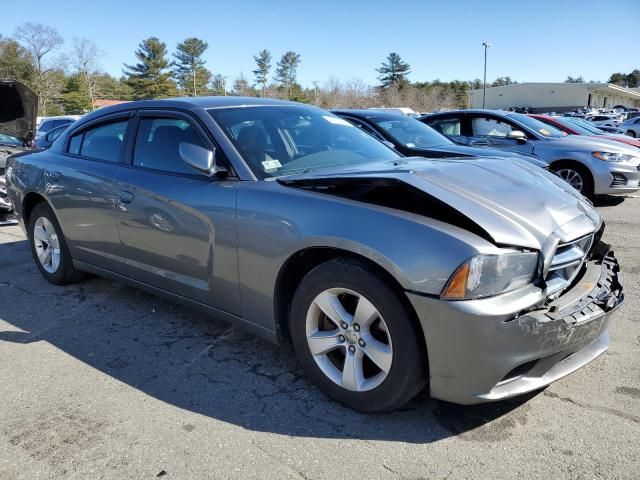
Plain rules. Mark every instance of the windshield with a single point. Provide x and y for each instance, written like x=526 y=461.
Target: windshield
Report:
x=410 y=132
x=537 y=126
x=278 y=140
x=579 y=124
x=9 y=140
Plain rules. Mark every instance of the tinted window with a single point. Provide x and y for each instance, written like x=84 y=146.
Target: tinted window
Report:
x=302 y=139
x=103 y=142
x=446 y=126
x=9 y=140
x=410 y=132
x=75 y=143
x=158 y=144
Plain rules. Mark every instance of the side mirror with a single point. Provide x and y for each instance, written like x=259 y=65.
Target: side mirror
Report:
x=518 y=135
x=200 y=159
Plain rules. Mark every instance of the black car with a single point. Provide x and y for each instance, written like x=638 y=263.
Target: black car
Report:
x=413 y=138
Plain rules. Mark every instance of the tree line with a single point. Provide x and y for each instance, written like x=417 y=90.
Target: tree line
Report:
x=71 y=82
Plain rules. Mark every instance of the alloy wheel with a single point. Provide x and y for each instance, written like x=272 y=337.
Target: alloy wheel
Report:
x=572 y=177
x=348 y=339
x=47 y=244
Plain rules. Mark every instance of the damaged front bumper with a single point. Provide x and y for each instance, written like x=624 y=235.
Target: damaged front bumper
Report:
x=495 y=348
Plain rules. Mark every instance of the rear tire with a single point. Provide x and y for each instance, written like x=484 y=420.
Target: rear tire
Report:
x=631 y=133
x=577 y=176
x=49 y=247
x=376 y=364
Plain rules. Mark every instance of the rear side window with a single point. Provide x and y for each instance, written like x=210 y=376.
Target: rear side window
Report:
x=446 y=126
x=158 y=144
x=103 y=142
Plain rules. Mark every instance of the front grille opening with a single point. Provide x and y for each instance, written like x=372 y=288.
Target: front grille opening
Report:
x=567 y=263
x=519 y=371
x=619 y=180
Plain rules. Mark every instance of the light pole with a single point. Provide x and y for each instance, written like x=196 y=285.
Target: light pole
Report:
x=484 y=84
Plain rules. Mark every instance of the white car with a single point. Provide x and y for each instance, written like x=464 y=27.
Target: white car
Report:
x=604 y=120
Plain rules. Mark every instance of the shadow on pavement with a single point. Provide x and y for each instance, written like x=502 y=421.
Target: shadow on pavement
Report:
x=205 y=366
x=608 y=200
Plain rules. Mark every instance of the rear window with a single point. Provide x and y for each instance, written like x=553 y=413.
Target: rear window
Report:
x=103 y=142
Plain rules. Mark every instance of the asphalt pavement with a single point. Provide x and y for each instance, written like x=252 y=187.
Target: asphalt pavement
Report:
x=102 y=381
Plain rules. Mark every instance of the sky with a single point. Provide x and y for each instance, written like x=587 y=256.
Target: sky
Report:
x=537 y=41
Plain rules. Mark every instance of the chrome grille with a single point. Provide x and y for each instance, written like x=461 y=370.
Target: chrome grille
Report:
x=566 y=263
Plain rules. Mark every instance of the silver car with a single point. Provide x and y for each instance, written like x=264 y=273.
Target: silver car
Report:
x=591 y=165
x=480 y=279
x=631 y=127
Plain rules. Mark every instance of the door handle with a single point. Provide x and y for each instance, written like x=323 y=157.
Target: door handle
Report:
x=54 y=176
x=125 y=196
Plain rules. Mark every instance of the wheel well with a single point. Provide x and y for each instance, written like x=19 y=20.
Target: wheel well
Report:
x=302 y=262
x=29 y=202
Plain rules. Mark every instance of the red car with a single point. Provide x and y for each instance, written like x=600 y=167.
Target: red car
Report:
x=576 y=127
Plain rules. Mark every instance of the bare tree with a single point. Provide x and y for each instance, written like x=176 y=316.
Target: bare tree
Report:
x=41 y=41
x=86 y=61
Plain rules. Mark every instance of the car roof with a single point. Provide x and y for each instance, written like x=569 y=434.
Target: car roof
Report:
x=193 y=102
x=366 y=113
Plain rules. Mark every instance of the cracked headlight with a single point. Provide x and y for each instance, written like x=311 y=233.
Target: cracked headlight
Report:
x=615 y=157
x=488 y=275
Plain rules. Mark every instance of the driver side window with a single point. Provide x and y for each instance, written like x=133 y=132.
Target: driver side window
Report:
x=490 y=127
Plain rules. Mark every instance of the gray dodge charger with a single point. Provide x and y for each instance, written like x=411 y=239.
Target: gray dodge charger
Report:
x=479 y=279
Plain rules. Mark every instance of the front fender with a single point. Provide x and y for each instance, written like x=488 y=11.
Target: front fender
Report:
x=275 y=222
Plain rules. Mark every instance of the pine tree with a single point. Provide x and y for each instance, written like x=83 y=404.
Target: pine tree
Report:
x=393 y=72
x=189 y=69
x=287 y=72
x=261 y=73
x=150 y=77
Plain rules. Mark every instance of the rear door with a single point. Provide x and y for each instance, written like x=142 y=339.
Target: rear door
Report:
x=177 y=226
x=81 y=187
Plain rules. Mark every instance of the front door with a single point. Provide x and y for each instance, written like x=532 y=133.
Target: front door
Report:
x=177 y=226
x=492 y=131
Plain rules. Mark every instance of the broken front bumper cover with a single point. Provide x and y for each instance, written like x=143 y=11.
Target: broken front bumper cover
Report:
x=495 y=348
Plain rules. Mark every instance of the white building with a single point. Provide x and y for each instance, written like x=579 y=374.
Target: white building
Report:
x=556 y=97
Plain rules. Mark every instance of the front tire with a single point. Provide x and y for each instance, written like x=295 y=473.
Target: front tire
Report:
x=577 y=176
x=631 y=133
x=355 y=338
x=49 y=247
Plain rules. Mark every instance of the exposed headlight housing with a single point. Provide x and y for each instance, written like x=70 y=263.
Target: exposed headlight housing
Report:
x=614 y=157
x=488 y=275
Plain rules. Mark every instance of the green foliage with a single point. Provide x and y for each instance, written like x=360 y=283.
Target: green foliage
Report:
x=150 y=77
x=633 y=79
x=577 y=79
x=393 y=72
x=189 y=70
x=263 y=65
x=15 y=61
x=287 y=73
x=75 y=98
x=502 y=81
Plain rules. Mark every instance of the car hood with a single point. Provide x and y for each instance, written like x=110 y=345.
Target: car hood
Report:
x=463 y=150
x=592 y=144
x=515 y=203
x=18 y=110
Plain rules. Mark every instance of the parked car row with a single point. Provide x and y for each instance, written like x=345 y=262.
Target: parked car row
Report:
x=473 y=272
x=591 y=164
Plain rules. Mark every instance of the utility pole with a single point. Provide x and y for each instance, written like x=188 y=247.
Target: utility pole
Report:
x=486 y=45
x=315 y=92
